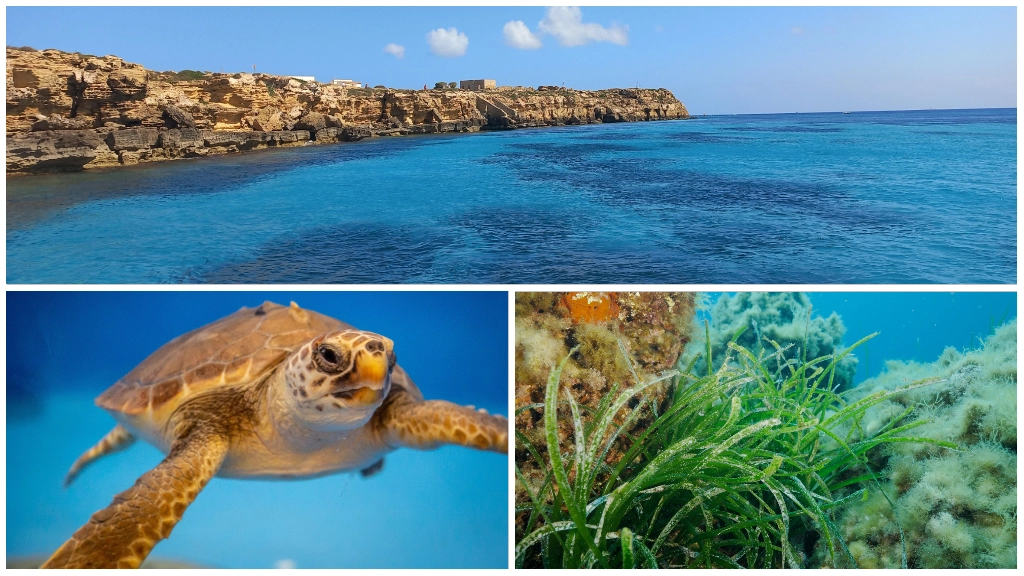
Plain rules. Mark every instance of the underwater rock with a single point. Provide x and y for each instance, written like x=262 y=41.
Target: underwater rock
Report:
x=653 y=328
x=782 y=317
x=957 y=509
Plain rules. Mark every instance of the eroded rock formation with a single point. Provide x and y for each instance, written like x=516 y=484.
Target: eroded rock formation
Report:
x=71 y=111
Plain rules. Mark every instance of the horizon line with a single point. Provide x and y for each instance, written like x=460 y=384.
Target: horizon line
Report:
x=695 y=115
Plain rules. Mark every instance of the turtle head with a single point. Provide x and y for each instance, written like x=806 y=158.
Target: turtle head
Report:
x=338 y=380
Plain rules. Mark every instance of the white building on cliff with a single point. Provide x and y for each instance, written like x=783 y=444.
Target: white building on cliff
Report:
x=346 y=83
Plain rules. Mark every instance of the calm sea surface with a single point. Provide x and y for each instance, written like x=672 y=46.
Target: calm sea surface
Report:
x=866 y=197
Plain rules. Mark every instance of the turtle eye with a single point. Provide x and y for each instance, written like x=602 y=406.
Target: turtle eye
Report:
x=328 y=355
x=328 y=359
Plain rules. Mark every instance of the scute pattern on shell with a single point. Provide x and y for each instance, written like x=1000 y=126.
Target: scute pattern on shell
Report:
x=236 y=349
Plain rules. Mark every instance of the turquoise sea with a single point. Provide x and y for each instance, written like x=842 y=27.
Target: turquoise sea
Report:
x=446 y=508
x=864 y=197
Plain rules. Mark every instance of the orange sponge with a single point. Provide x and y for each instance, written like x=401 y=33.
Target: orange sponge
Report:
x=591 y=307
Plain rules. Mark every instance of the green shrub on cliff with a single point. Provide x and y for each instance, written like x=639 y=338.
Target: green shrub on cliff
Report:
x=186 y=75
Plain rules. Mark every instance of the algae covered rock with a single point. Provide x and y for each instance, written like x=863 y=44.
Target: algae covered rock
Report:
x=652 y=328
x=957 y=508
x=787 y=318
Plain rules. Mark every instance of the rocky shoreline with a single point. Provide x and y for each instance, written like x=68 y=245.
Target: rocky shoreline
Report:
x=71 y=111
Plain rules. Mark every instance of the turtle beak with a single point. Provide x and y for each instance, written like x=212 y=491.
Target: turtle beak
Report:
x=366 y=396
x=362 y=396
x=374 y=364
x=372 y=369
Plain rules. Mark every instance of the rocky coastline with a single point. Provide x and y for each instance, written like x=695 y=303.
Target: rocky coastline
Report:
x=72 y=111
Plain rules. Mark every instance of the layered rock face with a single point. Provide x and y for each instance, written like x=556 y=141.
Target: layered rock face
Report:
x=70 y=111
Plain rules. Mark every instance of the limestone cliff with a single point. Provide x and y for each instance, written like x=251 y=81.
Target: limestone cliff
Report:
x=71 y=111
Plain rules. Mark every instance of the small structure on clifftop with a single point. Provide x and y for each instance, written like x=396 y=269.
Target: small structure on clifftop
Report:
x=346 y=83
x=477 y=84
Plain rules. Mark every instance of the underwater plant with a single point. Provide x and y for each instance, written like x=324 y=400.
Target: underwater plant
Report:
x=956 y=508
x=782 y=317
x=732 y=471
x=653 y=327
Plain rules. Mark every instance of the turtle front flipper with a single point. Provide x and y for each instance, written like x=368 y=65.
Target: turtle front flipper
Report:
x=122 y=534
x=116 y=440
x=428 y=424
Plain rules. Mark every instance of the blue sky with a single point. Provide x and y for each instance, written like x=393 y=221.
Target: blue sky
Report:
x=716 y=60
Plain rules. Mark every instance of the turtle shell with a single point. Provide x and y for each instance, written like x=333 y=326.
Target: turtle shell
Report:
x=234 y=350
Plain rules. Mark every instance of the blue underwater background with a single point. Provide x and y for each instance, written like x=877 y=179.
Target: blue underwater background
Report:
x=924 y=196
x=442 y=508
x=914 y=326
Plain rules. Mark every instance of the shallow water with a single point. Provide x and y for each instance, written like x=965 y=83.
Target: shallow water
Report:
x=925 y=196
x=442 y=508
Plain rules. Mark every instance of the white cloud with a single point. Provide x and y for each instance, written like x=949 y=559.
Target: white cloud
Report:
x=797 y=30
x=518 y=35
x=447 y=42
x=566 y=24
x=396 y=50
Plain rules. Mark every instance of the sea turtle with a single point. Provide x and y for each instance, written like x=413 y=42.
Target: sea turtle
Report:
x=267 y=392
